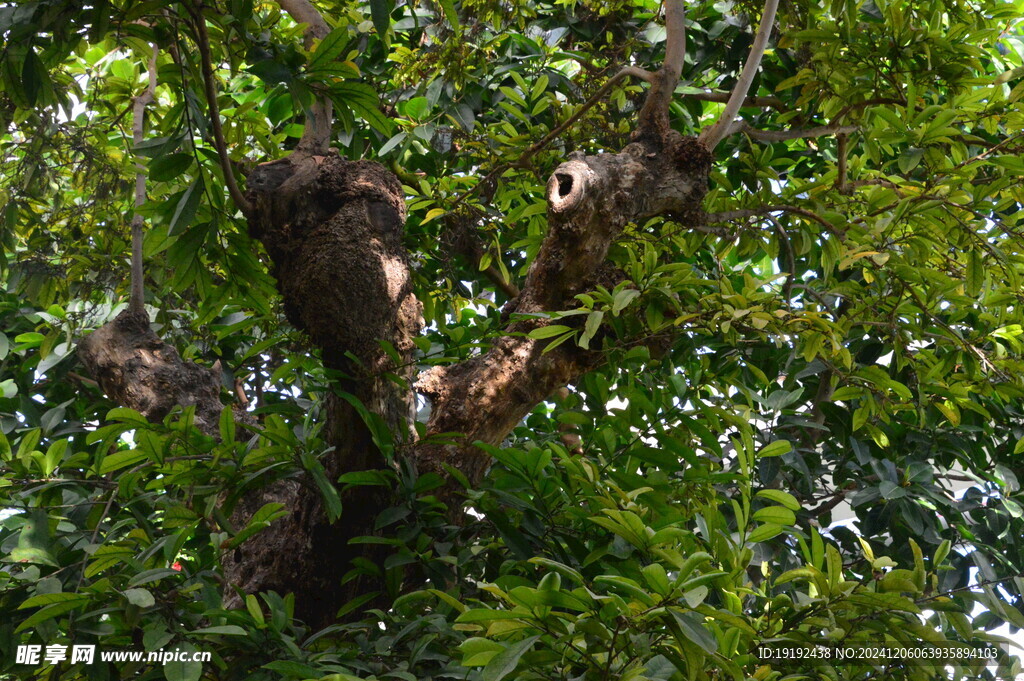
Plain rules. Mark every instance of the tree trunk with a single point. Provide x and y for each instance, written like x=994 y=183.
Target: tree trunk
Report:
x=334 y=231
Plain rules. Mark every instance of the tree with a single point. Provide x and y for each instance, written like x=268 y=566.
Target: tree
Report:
x=511 y=338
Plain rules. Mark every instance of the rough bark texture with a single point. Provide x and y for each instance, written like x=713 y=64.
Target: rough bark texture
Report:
x=139 y=371
x=590 y=200
x=334 y=231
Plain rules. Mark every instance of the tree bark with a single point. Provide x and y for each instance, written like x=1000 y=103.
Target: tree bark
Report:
x=139 y=371
x=333 y=229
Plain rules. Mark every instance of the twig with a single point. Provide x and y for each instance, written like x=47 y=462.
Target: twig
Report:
x=728 y=215
x=716 y=133
x=203 y=42
x=841 y=185
x=749 y=101
x=785 y=135
x=135 y=299
x=586 y=106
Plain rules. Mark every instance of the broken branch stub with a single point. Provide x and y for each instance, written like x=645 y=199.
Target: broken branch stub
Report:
x=139 y=371
x=590 y=200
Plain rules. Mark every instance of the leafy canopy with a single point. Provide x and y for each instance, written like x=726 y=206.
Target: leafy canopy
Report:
x=846 y=329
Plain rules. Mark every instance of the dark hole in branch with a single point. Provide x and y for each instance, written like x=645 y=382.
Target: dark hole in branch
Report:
x=564 y=184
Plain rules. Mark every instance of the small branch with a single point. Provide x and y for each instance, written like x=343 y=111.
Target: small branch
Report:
x=498 y=279
x=675 y=44
x=203 y=42
x=785 y=135
x=586 y=106
x=837 y=498
x=135 y=300
x=304 y=13
x=717 y=132
x=841 y=185
x=749 y=101
x=728 y=215
x=863 y=105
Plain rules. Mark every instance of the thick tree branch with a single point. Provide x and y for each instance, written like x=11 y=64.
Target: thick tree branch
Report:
x=135 y=300
x=203 y=42
x=717 y=132
x=653 y=123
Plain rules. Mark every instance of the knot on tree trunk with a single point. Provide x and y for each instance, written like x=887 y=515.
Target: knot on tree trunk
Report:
x=334 y=231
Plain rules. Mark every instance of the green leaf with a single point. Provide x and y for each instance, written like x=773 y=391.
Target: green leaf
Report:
x=227 y=425
x=259 y=521
x=328 y=49
x=140 y=597
x=782 y=498
x=187 y=206
x=51 y=612
x=505 y=662
x=362 y=100
x=416 y=108
x=776 y=448
x=975 y=279
x=224 y=630
x=765 y=532
x=380 y=12
x=591 y=328
x=183 y=671
x=33 y=74
x=121 y=459
x=328 y=492
x=775 y=514
x=170 y=166
x=692 y=626
x=451 y=15
x=477 y=652
x=549 y=331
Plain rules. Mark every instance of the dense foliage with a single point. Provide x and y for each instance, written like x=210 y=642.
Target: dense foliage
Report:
x=845 y=329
